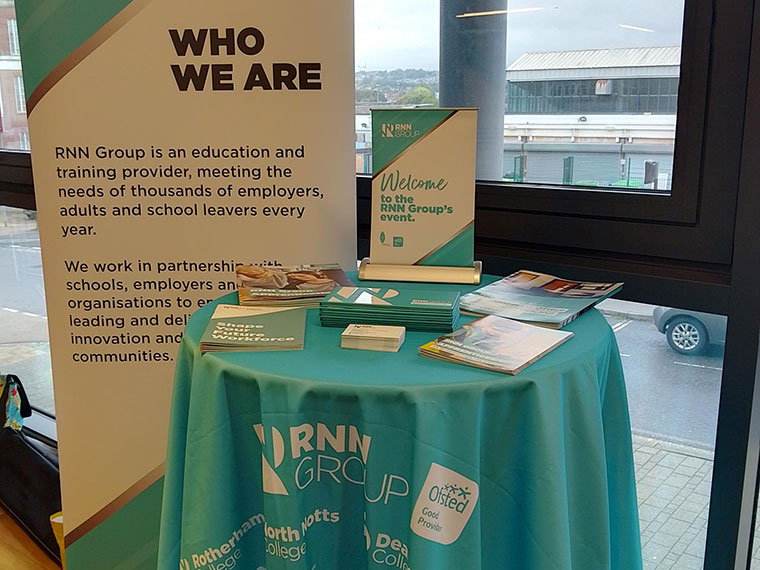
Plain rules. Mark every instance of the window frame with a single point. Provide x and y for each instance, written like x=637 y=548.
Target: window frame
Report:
x=714 y=65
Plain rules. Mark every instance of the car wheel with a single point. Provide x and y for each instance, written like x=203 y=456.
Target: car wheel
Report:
x=687 y=335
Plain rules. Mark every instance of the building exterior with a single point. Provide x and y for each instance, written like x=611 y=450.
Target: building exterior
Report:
x=592 y=117
x=600 y=81
x=589 y=118
x=14 y=133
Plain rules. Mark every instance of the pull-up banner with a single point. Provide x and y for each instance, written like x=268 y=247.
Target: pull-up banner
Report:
x=171 y=140
x=423 y=186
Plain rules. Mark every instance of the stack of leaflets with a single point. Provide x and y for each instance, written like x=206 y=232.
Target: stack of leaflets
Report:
x=419 y=310
x=293 y=286
x=537 y=298
x=233 y=328
x=495 y=343
x=373 y=337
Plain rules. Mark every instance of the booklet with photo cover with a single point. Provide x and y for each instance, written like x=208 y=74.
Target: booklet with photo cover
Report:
x=233 y=328
x=495 y=343
x=295 y=285
x=537 y=298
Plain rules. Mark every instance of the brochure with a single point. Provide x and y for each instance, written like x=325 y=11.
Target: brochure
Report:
x=233 y=328
x=537 y=298
x=295 y=285
x=495 y=343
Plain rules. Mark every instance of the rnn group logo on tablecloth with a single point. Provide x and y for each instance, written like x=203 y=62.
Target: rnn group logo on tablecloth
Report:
x=320 y=453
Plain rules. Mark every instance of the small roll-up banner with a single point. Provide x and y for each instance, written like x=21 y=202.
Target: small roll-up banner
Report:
x=171 y=141
x=423 y=195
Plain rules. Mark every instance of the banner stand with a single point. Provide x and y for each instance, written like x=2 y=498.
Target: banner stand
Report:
x=420 y=273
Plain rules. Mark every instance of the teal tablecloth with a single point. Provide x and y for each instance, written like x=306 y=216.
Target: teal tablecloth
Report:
x=391 y=461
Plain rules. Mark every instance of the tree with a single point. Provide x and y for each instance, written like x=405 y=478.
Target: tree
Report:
x=421 y=95
x=369 y=95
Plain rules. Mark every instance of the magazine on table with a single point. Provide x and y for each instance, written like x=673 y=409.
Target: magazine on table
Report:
x=295 y=285
x=495 y=343
x=537 y=298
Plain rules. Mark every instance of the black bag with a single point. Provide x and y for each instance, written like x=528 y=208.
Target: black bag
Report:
x=29 y=477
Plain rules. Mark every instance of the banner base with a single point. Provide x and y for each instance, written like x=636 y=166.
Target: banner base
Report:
x=420 y=273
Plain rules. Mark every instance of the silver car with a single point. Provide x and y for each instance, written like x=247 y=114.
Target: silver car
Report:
x=690 y=332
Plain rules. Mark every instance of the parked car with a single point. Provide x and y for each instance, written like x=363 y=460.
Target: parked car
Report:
x=690 y=332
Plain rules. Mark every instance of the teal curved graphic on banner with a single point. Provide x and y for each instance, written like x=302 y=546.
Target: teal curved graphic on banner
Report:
x=456 y=253
x=127 y=539
x=50 y=30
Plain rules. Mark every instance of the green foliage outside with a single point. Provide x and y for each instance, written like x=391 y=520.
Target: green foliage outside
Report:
x=421 y=95
x=370 y=95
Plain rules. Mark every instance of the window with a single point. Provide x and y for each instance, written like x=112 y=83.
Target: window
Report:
x=23 y=138
x=13 y=37
x=24 y=343
x=18 y=87
x=602 y=97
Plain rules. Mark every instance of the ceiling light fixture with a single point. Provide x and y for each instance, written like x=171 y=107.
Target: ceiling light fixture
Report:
x=636 y=28
x=499 y=12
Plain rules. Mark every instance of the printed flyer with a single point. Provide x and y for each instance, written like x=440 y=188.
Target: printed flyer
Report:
x=423 y=187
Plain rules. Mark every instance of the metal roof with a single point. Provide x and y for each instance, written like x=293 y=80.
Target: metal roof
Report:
x=598 y=58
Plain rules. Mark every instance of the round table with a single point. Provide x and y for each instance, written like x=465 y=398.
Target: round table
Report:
x=332 y=459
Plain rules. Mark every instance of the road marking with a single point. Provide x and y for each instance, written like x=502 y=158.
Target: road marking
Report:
x=23 y=313
x=626 y=355
x=698 y=366
x=26 y=247
x=620 y=326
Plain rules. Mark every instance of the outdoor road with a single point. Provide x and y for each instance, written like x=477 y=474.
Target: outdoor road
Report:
x=670 y=396
x=21 y=270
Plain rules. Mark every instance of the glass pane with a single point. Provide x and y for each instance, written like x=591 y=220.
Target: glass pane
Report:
x=673 y=382
x=24 y=343
x=14 y=134
x=590 y=93
x=755 y=560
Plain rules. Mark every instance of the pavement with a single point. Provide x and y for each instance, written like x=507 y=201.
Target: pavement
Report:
x=626 y=309
x=673 y=484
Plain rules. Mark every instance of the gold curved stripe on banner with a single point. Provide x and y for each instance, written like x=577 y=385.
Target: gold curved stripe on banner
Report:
x=432 y=251
x=78 y=55
x=114 y=505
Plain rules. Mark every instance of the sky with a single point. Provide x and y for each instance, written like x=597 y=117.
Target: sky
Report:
x=393 y=34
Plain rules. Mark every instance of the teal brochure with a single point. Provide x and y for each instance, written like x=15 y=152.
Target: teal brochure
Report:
x=235 y=328
x=392 y=299
x=423 y=202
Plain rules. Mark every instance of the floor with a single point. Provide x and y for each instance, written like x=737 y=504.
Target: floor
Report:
x=17 y=551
